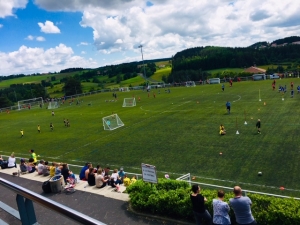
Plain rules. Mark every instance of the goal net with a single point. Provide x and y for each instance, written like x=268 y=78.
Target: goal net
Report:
x=112 y=122
x=124 y=89
x=30 y=103
x=53 y=105
x=190 y=84
x=129 y=102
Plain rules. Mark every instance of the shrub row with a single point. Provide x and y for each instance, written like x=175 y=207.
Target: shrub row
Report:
x=171 y=198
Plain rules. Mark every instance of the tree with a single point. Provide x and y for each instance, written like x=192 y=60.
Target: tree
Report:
x=72 y=86
x=4 y=102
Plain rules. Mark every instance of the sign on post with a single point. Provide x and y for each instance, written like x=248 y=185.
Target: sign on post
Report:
x=149 y=173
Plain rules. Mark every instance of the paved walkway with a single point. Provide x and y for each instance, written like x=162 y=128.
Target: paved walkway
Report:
x=104 y=204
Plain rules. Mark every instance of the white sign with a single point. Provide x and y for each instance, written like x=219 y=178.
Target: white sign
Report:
x=149 y=173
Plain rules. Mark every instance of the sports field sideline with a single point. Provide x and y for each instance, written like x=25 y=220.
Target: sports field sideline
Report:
x=178 y=132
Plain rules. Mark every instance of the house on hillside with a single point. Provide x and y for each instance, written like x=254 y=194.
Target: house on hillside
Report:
x=254 y=69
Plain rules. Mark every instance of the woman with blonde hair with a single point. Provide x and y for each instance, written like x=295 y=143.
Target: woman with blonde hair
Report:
x=12 y=161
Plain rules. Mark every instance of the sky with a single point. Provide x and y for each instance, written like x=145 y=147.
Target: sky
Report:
x=41 y=36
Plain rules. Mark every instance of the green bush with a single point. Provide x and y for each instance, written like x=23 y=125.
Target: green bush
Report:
x=171 y=198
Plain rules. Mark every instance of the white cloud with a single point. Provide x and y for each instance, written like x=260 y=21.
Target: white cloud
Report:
x=37 y=60
x=7 y=7
x=83 y=52
x=49 y=27
x=83 y=43
x=40 y=38
x=32 y=38
x=1 y=25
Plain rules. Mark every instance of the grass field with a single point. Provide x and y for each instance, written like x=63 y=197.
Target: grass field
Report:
x=176 y=132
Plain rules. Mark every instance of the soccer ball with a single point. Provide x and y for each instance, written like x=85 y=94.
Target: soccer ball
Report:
x=259 y=173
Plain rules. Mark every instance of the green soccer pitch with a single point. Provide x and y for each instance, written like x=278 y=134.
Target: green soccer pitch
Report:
x=178 y=132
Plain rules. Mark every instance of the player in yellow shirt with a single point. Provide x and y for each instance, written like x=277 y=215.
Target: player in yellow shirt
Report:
x=39 y=128
x=22 y=133
x=33 y=155
x=222 y=130
x=126 y=181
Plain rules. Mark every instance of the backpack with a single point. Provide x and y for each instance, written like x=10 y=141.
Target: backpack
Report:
x=46 y=187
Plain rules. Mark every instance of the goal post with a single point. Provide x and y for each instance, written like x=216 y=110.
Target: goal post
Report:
x=129 y=102
x=30 y=103
x=190 y=84
x=123 y=89
x=112 y=122
x=53 y=105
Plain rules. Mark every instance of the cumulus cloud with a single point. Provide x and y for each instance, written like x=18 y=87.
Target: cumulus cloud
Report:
x=7 y=7
x=49 y=27
x=31 y=38
x=83 y=43
x=33 y=60
x=40 y=38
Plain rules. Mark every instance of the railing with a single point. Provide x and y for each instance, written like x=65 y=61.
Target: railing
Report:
x=187 y=178
x=27 y=214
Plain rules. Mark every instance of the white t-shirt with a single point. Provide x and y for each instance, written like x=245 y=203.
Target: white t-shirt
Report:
x=11 y=162
x=40 y=168
x=99 y=181
x=115 y=176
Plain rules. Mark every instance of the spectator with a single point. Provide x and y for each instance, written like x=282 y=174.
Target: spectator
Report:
x=52 y=169
x=199 y=207
x=121 y=174
x=40 y=167
x=46 y=169
x=221 y=210
x=23 y=166
x=91 y=177
x=126 y=181
x=31 y=168
x=58 y=168
x=65 y=171
x=12 y=161
x=133 y=180
x=88 y=171
x=106 y=174
x=82 y=172
x=242 y=208
x=115 y=179
x=99 y=179
x=71 y=179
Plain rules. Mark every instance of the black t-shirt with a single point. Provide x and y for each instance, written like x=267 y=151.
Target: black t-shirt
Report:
x=65 y=173
x=198 y=203
x=91 y=179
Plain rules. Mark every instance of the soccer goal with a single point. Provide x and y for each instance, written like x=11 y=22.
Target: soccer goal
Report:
x=129 y=102
x=53 y=105
x=123 y=89
x=214 y=81
x=30 y=103
x=112 y=122
x=190 y=84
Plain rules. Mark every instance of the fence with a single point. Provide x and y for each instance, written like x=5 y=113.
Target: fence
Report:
x=26 y=213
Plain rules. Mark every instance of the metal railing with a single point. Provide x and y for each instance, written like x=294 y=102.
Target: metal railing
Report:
x=27 y=214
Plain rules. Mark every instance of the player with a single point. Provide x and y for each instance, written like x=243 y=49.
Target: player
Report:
x=298 y=89
x=292 y=85
x=33 y=156
x=222 y=130
x=228 y=106
x=52 y=113
x=22 y=133
x=223 y=87
x=39 y=128
x=258 y=126
x=108 y=123
x=51 y=126
x=292 y=93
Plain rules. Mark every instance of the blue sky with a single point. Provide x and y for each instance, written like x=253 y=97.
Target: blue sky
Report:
x=39 y=36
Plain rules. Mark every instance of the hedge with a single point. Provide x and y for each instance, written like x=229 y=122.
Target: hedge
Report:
x=171 y=198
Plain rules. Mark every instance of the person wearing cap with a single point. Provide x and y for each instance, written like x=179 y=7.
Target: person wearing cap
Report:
x=33 y=156
x=11 y=161
x=121 y=174
x=40 y=167
x=242 y=208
